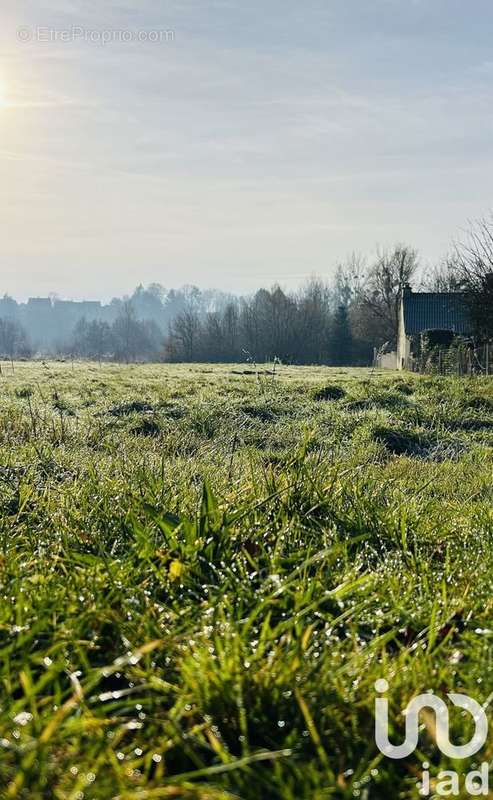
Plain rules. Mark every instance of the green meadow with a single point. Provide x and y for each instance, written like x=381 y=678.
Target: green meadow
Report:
x=204 y=569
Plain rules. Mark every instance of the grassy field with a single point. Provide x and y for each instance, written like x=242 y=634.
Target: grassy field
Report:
x=205 y=569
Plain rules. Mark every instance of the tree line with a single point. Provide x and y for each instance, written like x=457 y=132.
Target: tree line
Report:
x=126 y=339
x=339 y=322
x=14 y=342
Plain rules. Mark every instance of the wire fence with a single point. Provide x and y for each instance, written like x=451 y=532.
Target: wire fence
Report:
x=464 y=359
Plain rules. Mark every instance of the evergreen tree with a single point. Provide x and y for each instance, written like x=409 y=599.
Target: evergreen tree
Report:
x=341 y=339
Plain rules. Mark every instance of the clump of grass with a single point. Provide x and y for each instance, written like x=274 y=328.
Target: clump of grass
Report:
x=403 y=387
x=329 y=393
x=24 y=392
x=259 y=412
x=63 y=407
x=147 y=427
x=130 y=407
x=479 y=403
x=402 y=442
x=388 y=399
x=171 y=411
x=359 y=405
x=472 y=424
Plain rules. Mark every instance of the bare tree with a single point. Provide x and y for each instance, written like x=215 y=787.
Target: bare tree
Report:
x=387 y=277
x=184 y=332
x=251 y=326
x=350 y=280
x=125 y=330
x=92 y=339
x=213 y=338
x=314 y=304
x=13 y=340
x=443 y=277
x=475 y=270
x=230 y=325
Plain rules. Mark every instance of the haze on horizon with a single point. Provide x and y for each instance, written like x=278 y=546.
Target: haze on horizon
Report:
x=257 y=145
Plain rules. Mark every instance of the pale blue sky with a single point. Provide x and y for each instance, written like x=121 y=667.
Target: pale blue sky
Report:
x=263 y=144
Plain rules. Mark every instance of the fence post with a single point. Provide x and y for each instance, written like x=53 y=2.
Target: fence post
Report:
x=487 y=358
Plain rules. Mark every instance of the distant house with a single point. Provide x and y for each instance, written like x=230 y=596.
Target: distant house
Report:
x=441 y=315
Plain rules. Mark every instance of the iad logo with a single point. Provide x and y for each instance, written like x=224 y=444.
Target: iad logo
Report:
x=476 y=782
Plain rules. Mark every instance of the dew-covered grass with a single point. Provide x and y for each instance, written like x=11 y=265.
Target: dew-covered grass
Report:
x=205 y=569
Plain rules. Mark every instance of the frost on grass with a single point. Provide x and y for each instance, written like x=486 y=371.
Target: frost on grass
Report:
x=203 y=573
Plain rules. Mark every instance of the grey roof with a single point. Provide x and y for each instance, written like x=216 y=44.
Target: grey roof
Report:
x=436 y=311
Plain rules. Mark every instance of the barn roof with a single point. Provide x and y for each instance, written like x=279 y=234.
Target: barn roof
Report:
x=433 y=311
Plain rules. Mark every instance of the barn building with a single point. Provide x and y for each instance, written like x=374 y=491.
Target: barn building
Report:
x=438 y=315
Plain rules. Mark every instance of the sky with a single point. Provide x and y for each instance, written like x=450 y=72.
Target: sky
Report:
x=252 y=144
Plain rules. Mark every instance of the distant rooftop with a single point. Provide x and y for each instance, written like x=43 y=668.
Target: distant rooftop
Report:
x=434 y=311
